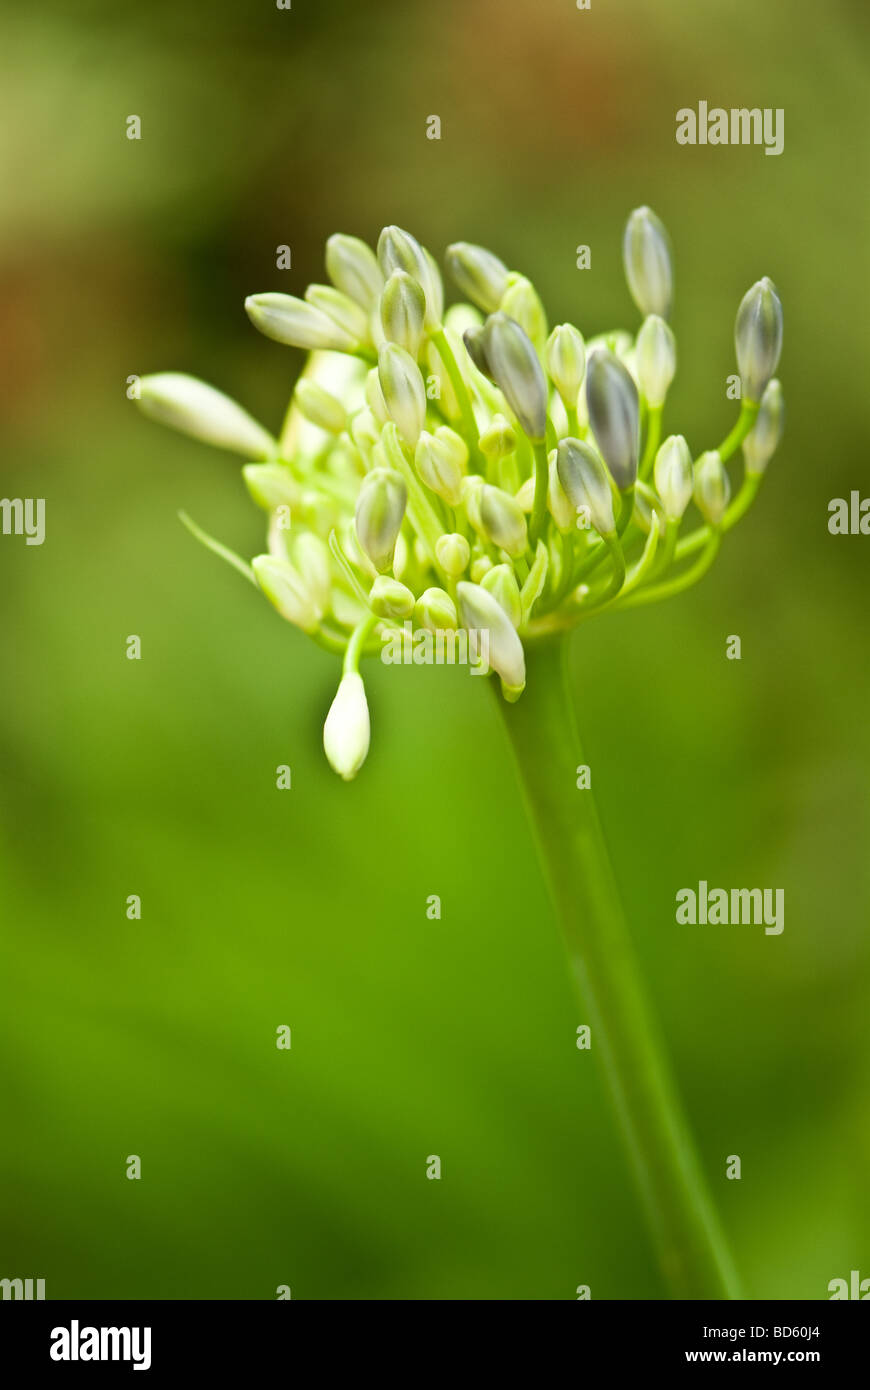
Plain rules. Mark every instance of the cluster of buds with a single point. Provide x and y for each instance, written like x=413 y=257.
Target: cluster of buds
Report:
x=470 y=468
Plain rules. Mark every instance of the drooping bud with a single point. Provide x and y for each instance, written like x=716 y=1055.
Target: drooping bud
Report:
x=673 y=476
x=712 y=489
x=403 y=311
x=646 y=255
x=390 y=599
x=271 y=485
x=440 y=459
x=762 y=441
x=566 y=362
x=286 y=589
x=502 y=520
x=349 y=316
x=291 y=321
x=514 y=367
x=522 y=303
x=398 y=250
x=436 y=611
x=501 y=582
x=586 y=483
x=614 y=414
x=192 y=406
x=320 y=406
x=655 y=359
x=498 y=440
x=380 y=509
x=453 y=553
x=353 y=267
x=758 y=338
x=481 y=612
x=347 y=730
x=404 y=391
x=478 y=274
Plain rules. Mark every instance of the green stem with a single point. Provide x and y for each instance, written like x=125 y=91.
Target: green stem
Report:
x=542 y=478
x=541 y=727
x=682 y=581
x=745 y=420
x=653 y=435
x=460 y=390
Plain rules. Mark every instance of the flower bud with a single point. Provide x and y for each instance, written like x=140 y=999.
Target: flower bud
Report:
x=480 y=566
x=586 y=483
x=453 y=553
x=514 y=367
x=614 y=414
x=398 y=250
x=498 y=439
x=762 y=441
x=390 y=599
x=347 y=731
x=459 y=317
x=192 y=406
x=440 y=459
x=375 y=397
x=712 y=487
x=344 y=311
x=673 y=476
x=655 y=359
x=477 y=274
x=501 y=582
x=286 y=589
x=648 y=509
x=522 y=303
x=502 y=520
x=271 y=485
x=758 y=338
x=561 y=510
x=353 y=267
x=436 y=611
x=291 y=321
x=380 y=509
x=566 y=362
x=404 y=391
x=480 y=611
x=403 y=310
x=365 y=429
x=646 y=255
x=474 y=339
x=313 y=561
x=320 y=406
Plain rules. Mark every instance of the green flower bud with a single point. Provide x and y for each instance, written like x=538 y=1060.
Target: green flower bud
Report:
x=647 y=505
x=453 y=553
x=480 y=566
x=286 y=589
x=762 y=441
x=655 y=359
x=291 y=321
x=758 y=337
x=365 y=428
x=353 y=268
x=390 y=599
x=187 y=404
x=586 y=483
x=436 y=611
x=614 y=414
x=460 y=317
x=673 y=476
x=404 y=391
x=380 y=510
x=312 y=559
x=477 y=274
x=498 y=439
x=566 y=362
x=398 y=250
x=440 y=463
x=514 y=367
x=480 y=611
x=501 y=582
x=403 y=310
x=564 y=515
x=522 y=303
x=375 y=398
x=344 y=311
x=271 y=485
x=525 y=496
x=712 y=487
x=646 y=255
x=502 y=520
x=320 y=406
x=347 y=731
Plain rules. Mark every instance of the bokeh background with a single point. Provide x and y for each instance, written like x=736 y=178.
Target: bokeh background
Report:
x=307 y=908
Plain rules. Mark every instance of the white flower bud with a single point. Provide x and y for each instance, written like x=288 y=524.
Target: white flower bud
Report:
x=375 y=398
x=655 y=359
x=192 y=406
x=398 y=250
x=481 y=612
x=390 y=599
x=403 y=311
x=646 y=255
x=762 y=441
x=353 y=267
x=501 y=582
x=712 y=487
x=349 y=316
x=285 y=588
x=502 y=520
x=514 y=367
x=380 y=510
x=313 y=561
x=522 y=303
x=498 y=440
x=561 y=510
x=566 y=362
x=440 y=459
x=614 y=413
x=477 y=274
x=673 y=476
x=586 y=483
x=758 y=338
x=271 y=485
x=291 y=321
x=320 y=406
x=347 y=731
x=436 y=611
x=404 y=391
x=453 y=553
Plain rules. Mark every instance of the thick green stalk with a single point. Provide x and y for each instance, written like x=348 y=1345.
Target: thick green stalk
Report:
x=542 y=730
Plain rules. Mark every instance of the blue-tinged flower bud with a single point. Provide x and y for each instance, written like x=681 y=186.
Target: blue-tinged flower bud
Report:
x=271 y=485
x=673 y=476
x=474 y=338
x=287 y=590
x=522 y=303
x=646 y=255
x=758 y=338
x=566 y=362
x=312 y=559
x=762 y=441
x=498 y=440
x=614 y=414
x=291 y=321
x=477 y=274
x=712 y=487
x=453 y=553
x=515 y=369
x=398 y=250
x=436 y=611
x=655 y=359
x=192 y=406
x=403 y=311
x=502 y=521
x=353 y=267
x=586 y=483
x=320 y=406
x=347 y=731
x=350 y=317
x=390 y=599
x=380 y=509
x=481 y=612
x=440 y=459
x=501 y=582
x=404 y=391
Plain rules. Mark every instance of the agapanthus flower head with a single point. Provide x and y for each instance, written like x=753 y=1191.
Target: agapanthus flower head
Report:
x=464 y=472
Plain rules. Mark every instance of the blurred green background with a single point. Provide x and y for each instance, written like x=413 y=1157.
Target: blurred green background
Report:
x=262 y=1167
